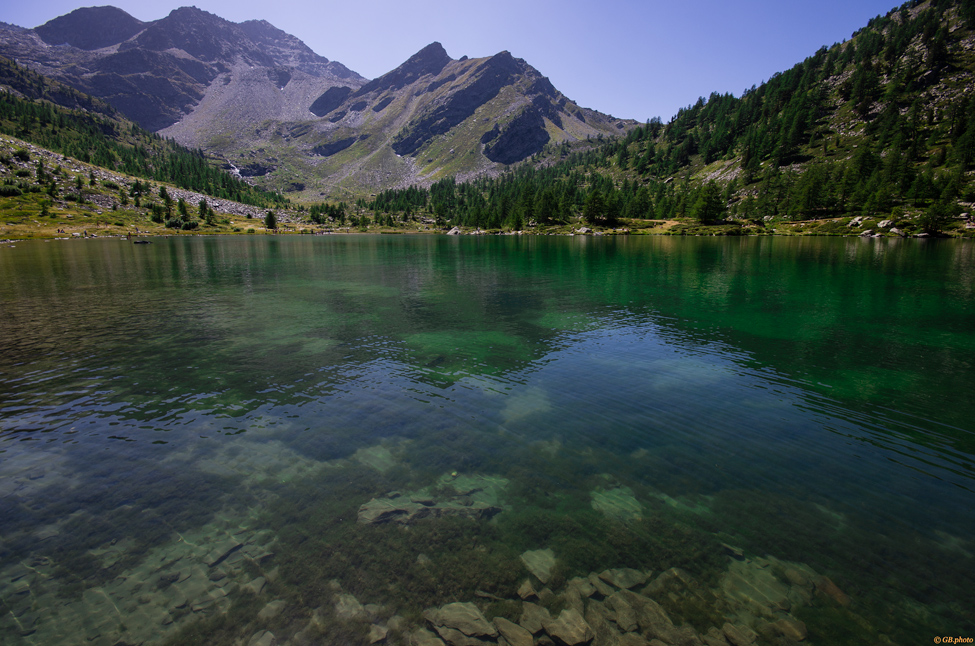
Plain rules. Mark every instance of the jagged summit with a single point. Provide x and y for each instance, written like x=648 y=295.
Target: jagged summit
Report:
x=90 y=28
x=428 y=61
x=158 y=72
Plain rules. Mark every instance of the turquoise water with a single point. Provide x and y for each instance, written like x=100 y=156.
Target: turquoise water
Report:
x=189 y=429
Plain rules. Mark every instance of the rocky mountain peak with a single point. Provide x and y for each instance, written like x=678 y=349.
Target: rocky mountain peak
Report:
x=90 y=28
x=428 y=61
x=202 y=35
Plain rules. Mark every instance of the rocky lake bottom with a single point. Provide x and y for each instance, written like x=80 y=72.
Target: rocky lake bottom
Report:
x=478 y=442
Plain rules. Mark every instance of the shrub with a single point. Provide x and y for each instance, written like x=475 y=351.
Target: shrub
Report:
x=7 y=190
x=22 y=155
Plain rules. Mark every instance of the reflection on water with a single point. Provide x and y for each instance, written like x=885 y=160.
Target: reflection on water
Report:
x=313 y=440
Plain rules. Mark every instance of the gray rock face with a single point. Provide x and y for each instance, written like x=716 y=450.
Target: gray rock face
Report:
x=524 y=136
x=570 y=629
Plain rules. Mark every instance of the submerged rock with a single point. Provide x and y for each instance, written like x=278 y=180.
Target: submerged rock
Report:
x=624 y=578
x=514 y=634
x=526 y=591
x=377 y=633
x=272 y=609
x=403 y=509
x=463 y=617
x=423 y=637
x=791 y=628
x=600 y=586
x=263 y=638
x=754 y=586
x=570 y=629
x=830 y=589
x=540 y=563
x=739 y=635
x=466 y=496
x=533 y=617
x=348 y=607
x=618 y=503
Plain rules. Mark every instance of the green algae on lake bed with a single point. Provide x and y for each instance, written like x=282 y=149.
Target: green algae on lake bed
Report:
x=189 y=435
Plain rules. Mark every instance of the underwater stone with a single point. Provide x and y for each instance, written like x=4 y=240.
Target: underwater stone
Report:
x=377 y=633
x=831 y=590
x=672 y=580
x=714 y=637
x=570 y=629
x=600 y=620
x=600 y=585
x=624 y=578
x=540 y=563
x=755 y=586
x=533 y=617
x=263 y=638
x=634 y=639
x=583 y=586
x=396 y=622
x=651 y=618
x=456 y=638
x=423 y=637
x=222 y=552
x=464 y=617
x=526 y=591
x=272 y=609
x=403 y=510
x=546 y=597
x=348 y=607
x=625 y=615
x=573 y=599
x=739 y=635
x=791 y=628
x=257 y=585
x=618 y=503
x=513 y=633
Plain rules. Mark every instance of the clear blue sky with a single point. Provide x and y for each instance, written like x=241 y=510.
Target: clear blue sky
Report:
x=630 y=58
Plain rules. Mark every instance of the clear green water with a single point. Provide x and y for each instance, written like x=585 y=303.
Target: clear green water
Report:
x=189 y=428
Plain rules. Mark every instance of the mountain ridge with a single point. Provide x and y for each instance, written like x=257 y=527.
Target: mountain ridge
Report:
x=292 y=120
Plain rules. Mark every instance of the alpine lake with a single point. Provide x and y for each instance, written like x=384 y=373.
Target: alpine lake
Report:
x=479 y=441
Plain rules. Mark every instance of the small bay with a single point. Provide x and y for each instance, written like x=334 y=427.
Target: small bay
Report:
x=190 y=430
